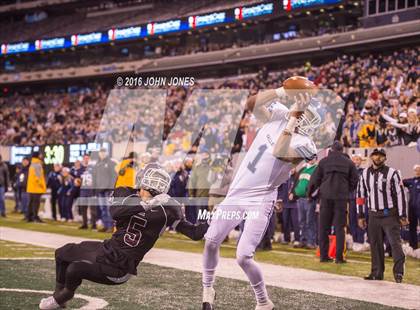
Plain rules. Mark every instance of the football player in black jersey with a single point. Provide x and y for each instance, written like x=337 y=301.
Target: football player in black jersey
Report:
x=141 y=216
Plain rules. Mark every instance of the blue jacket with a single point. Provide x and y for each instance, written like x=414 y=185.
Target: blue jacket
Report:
x=53 y=181
x=284 y=191
x=179 y=184
x=413 y=186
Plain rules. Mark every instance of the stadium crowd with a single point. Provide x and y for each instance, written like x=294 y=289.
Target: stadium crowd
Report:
x=380 y=94
x=381 y=109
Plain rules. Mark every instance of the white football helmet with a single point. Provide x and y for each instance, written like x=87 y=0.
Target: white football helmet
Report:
x=308 y=121
x=156 y=181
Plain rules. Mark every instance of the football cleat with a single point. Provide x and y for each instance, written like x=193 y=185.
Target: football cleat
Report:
x=49 y=303
x=209 y=295
x=266 y=306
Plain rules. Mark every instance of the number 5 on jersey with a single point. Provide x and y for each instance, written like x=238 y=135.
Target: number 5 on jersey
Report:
x=133 y=235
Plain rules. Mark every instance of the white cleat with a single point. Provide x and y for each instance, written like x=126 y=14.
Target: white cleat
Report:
x=48 y=303
x=266 y=306
x=209 y=295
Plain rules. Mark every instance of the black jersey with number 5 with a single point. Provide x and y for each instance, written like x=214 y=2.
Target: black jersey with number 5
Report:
x=138 y=228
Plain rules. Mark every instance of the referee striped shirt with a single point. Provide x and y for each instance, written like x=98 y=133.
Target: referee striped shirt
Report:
x=381 y=189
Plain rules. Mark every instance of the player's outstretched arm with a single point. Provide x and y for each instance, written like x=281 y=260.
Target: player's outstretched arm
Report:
x=257 y=103
x=177 y=221
x=192 y=231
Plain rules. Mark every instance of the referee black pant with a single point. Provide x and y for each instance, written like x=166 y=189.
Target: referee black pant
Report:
x=332 y=213
x=389 y=225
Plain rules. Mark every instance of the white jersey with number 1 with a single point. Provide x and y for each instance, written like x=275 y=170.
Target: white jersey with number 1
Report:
x=260 y=173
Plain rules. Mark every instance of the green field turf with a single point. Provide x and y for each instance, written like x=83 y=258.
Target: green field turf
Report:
x=359 y=263
x=154 y=288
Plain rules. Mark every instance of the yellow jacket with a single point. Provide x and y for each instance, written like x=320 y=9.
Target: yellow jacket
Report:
x=36 y=180
x=126 y=174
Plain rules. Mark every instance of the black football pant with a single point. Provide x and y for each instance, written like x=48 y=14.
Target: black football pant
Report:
x=380 y=225
x=33 y=206
x=77 y=262
x=332 y=213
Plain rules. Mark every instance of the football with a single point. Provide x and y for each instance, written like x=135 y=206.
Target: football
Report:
x=296 y=84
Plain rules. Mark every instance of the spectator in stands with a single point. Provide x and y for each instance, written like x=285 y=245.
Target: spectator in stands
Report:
x=306 y=206
x=413 y=185
x=76 y=171
x=17 y=190
x=23 y=184
x=104 y=178
x=4 y=185
x=65 y=195
x=198 y=184
x=357 y=233
x=53 y=183
x=366 y=133
x=220 y=177
x=36 y=187
x=87 y=194
x=290 y=218
x=126 y=171
x=408 y=125
x=178 y=188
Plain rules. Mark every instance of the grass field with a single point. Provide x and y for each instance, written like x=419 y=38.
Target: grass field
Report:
x=154 y=288
x=359 y=263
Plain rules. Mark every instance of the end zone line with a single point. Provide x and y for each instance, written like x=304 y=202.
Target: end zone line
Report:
x=92 y=302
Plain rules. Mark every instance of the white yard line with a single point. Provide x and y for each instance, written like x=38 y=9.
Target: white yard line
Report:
x=383 y=292
x=92 y=302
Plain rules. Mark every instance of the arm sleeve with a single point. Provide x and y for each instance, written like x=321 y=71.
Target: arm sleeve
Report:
x=407 y=182
x=315 y=181
x=192 y=231
x=304 y=147
x=354 y=177
x=361 y=195
x=125 y=203
x=400 y=193
x=393 y=121
x=279 y=114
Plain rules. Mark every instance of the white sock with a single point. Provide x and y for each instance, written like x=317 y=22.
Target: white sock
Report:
x=260 y=293
x=208 y=277
x=210 y=260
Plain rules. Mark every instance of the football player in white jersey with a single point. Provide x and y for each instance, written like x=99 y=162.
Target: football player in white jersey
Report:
x=282 y=142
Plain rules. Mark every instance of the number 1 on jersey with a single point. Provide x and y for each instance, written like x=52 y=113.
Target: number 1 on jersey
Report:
x=252 y=165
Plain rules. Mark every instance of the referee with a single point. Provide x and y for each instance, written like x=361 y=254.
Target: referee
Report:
x=380 y=188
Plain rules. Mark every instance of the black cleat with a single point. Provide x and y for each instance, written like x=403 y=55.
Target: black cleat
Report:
x=374 y=278
x=398 y=278
x=326 y=260
x=207 y=306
